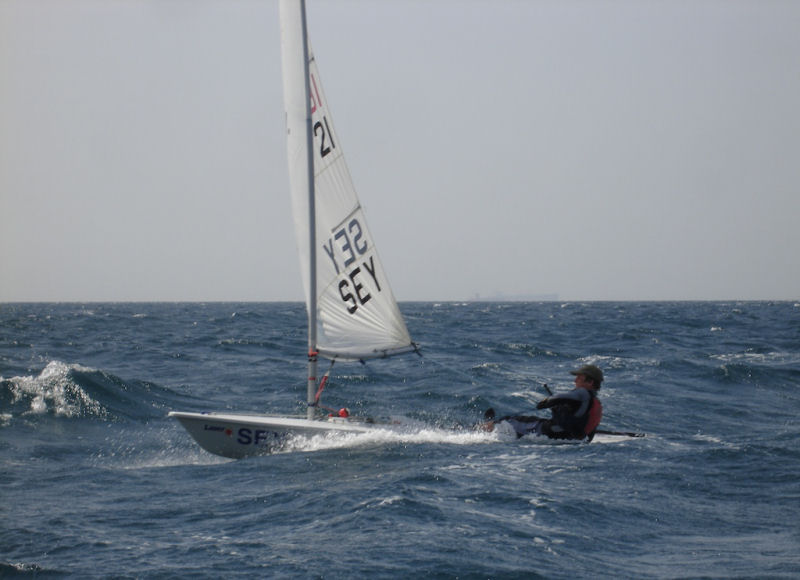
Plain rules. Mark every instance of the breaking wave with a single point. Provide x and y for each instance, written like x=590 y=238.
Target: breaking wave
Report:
x=77 y=392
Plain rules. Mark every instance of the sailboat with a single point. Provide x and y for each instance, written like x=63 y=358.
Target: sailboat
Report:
x=352 y=313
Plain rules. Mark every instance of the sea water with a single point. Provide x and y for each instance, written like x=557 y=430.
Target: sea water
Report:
x=97 y=481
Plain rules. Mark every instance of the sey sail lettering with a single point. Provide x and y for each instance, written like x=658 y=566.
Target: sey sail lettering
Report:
x=349 y=243
x=352 y=289
x=348 y=251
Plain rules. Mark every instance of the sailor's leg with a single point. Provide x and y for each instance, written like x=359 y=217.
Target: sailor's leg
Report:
x=523 y=428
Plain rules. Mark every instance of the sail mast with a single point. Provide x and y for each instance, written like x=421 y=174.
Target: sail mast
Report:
x=312 y=228
x=295 y=54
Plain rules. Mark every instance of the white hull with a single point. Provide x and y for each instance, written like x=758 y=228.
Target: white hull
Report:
x=238 y=436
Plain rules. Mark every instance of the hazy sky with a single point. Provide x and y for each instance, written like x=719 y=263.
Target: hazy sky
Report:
x=591 y=149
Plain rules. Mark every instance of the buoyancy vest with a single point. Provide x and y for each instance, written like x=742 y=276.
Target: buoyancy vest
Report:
x=593 y=416
x=569 y=426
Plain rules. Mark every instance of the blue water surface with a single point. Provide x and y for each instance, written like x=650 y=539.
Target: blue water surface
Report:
x=97 y=482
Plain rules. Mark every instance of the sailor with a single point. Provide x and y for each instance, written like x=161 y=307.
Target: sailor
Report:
x=575 y=414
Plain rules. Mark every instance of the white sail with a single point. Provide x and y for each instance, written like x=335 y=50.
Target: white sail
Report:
x=356 y=313
x=351 y=311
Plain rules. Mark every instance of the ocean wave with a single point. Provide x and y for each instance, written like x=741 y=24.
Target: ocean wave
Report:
x=53 y=392
x=773 y=358
x=74 y=391
x=24 y=570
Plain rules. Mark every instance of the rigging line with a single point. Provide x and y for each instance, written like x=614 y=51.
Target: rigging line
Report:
x=322 y=383
x=450 y=369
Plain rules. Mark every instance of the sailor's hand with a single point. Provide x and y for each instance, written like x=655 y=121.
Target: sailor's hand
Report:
x=542 y=404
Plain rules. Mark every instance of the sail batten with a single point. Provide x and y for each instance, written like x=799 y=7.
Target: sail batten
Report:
x=347 y=217
x=352 y=355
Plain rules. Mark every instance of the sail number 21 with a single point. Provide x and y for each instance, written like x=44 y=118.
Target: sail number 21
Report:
x=319 y=128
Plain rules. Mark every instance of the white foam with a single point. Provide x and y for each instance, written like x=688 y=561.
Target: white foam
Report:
x=54 y=391
x=401 y=435
x=749 y=357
